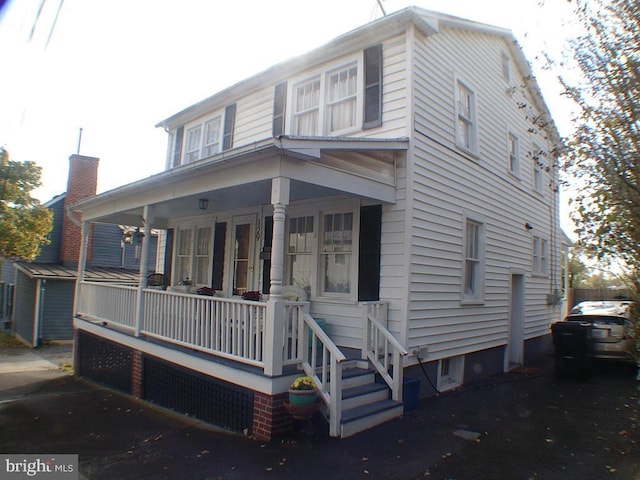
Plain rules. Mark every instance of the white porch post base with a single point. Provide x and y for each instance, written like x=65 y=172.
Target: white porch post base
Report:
x=273 y=338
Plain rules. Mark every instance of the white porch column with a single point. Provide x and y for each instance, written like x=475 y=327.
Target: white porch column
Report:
x=274 y=328
x=82 y=263
x=279 y=199
x=144 y=269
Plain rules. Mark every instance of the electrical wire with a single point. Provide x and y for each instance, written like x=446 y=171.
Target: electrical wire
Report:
x=426 y=375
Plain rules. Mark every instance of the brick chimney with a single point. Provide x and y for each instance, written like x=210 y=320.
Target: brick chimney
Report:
x=81 y=183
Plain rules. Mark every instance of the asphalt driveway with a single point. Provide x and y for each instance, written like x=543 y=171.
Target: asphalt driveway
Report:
x=524 y=425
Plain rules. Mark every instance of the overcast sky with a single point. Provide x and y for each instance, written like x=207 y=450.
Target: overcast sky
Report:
x=115 y=68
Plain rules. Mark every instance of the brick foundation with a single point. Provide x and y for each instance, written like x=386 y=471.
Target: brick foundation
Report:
x=270 y=419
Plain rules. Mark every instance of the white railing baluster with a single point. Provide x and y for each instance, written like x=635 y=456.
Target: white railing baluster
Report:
x=230 y=328
x=381 y=348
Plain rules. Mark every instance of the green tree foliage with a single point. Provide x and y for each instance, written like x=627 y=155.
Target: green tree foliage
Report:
x=603 y=156
x=24 y=223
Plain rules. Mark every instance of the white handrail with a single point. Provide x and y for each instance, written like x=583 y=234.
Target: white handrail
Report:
x=325 y=369
x=385 y=353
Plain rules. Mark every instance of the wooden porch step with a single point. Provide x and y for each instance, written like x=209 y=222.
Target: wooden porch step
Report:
x=358 y=419
x=364 y=394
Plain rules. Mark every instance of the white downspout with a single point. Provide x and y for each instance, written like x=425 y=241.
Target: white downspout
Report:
x=37 y=313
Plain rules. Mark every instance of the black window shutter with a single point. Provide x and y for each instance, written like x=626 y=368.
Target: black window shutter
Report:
x=229 y=122
x=168 y=256
x=219 y=239
x=369 y=258
x=265 y=255
x=372 y=87
x=177 y=147
x=279 y=104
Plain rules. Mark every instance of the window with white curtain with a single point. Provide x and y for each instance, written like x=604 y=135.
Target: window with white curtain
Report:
x=300 y=261
x=193 y=255
x=336 y=254
x=341 y=104
x=192 y=149
x=329 y=103
x=307 y=107
x=184 y=245
x=212 y=137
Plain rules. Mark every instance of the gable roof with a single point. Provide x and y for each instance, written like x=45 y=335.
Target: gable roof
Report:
x=426 y=21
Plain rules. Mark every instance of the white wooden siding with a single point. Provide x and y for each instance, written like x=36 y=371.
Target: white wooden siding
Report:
x=448 y=184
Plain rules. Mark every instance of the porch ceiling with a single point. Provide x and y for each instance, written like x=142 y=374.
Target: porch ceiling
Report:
x=242 y=178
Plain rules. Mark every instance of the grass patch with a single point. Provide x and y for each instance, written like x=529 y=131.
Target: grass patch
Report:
x=7 y=341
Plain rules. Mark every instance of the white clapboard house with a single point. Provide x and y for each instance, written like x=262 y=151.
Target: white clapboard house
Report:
x=382 y=207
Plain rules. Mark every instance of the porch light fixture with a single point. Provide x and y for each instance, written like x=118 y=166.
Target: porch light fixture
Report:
x=203 y=203
x=528 y=226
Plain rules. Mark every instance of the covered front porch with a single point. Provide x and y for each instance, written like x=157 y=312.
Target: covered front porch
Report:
x=234 y=213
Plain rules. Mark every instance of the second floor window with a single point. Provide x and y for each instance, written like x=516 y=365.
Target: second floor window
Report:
x=192 y=149
x=514 y=154
x=540 y=254
x=212 y=137
x=328 y=104
x=466 y=128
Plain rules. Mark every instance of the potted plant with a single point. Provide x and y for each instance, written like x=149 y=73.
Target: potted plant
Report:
x=303 y=391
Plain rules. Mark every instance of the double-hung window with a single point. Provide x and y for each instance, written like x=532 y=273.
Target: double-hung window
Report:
x=300 y=252
x=342 y=99
x=466 y=124
x=202 y=139
x=212 y=137
x=336 y=254
x=193 y=255
x=540 y=256
x=329 y=103
x=473 y=261
x=192 y=148
x=514 y=154
x=307 y=108
x=538 y=165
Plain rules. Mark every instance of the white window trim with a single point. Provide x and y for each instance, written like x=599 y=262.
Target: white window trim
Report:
x=538 y=168
x=353 y=271
x=323 y=74
x=478 y=296
x=513 y=165
x=455 y=376
x=313 y=253
x=539 y=256
x=202 y=124
x=193 y=227
x=472 y=120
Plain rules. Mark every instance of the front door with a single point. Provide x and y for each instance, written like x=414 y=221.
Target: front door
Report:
x=243 y=248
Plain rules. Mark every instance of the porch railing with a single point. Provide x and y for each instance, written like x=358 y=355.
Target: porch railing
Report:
x=293 y=334
x=226 y=327
x=383 y=350
x=108 y=303
x=229 y=328
x=322 y=360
